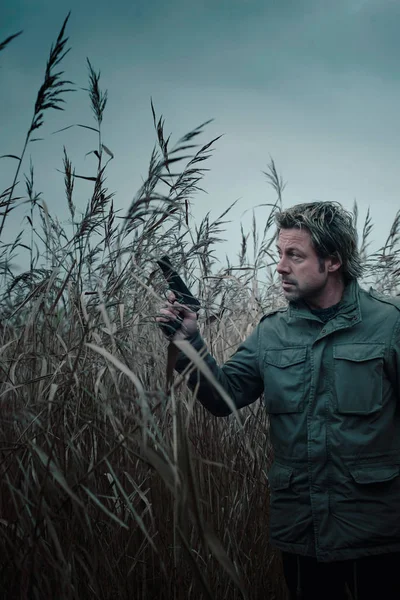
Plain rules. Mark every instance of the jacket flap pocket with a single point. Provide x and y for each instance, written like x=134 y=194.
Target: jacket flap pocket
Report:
x=374 y=474
x=279 y=477
x=286 y=357
x=358 y=352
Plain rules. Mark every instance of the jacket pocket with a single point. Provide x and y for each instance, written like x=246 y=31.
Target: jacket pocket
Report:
x=374 y=474
x=365 y=506
x=290 y=518
x=279 y=477
x=284 y=380
x=358 y=377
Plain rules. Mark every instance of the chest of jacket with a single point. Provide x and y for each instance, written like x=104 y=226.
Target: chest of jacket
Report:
x=332 y=384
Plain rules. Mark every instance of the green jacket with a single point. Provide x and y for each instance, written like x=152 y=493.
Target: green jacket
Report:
x=333 y=395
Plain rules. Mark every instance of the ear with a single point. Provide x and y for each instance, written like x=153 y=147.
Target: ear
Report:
x=334 y=263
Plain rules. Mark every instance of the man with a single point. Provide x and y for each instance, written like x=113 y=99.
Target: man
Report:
x=328 y=364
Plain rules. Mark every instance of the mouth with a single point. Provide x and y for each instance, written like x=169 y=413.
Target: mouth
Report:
x=287 y=284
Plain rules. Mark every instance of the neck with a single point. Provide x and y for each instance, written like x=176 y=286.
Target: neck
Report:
x=329 y=296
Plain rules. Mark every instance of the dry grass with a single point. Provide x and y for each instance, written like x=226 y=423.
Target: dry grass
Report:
x=110 y=488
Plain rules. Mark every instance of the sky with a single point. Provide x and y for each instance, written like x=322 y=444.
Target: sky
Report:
x=314 y=84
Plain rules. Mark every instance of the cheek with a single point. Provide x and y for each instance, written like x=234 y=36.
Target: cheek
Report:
x=309 y=276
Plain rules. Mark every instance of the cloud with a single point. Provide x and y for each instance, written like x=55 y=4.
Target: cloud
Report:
x=311 y=83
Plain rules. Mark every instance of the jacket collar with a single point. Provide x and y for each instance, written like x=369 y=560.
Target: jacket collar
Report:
x=349 y=308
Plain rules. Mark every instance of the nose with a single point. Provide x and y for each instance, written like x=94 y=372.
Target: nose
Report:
x=282 y=266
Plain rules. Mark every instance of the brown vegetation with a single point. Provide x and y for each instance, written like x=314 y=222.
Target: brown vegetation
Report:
x=110 y=487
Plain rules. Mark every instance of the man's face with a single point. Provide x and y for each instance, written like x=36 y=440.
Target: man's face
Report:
x=304 y=275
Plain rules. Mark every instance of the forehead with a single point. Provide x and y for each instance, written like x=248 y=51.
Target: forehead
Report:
x=294 y=237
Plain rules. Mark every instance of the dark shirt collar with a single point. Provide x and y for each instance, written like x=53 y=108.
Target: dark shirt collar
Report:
x=326 y=314
x=348 y=306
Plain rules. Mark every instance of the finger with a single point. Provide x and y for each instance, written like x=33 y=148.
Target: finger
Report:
x=171 y=297
x=165 y=320
x=184 y=310
x=179 y=310
x=169 y=312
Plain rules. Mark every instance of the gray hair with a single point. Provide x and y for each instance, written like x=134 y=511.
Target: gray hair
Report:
x=332 y=230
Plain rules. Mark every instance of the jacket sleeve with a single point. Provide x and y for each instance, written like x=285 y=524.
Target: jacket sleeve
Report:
x=240 y=376
x=396 y=353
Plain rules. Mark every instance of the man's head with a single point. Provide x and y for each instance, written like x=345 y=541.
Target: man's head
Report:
x=317 y=245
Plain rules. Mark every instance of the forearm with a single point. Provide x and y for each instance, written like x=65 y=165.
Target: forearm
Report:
x=198 y=383
x=239 y=377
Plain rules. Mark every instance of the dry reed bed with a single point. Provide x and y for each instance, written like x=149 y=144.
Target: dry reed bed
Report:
x=112 y=486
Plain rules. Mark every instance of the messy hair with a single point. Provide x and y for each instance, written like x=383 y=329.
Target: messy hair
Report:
x=332 y=231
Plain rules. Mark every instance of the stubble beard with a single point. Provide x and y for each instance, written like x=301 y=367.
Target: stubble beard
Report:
x=292 y=295
x=308 y=295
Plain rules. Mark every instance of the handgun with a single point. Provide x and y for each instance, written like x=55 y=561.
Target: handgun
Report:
x=182 y=294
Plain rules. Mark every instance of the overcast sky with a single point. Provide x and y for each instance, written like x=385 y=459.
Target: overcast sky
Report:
x=313 y=83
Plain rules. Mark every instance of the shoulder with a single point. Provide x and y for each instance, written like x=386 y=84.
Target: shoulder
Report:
x=384 y=298
x=274 y=312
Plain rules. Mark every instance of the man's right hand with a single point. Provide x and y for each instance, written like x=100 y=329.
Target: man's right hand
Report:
x=173 y=311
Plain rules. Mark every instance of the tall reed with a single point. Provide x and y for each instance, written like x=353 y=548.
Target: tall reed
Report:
x=111 y=487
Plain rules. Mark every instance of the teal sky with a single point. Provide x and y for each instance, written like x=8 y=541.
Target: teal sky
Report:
x=313 y=83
